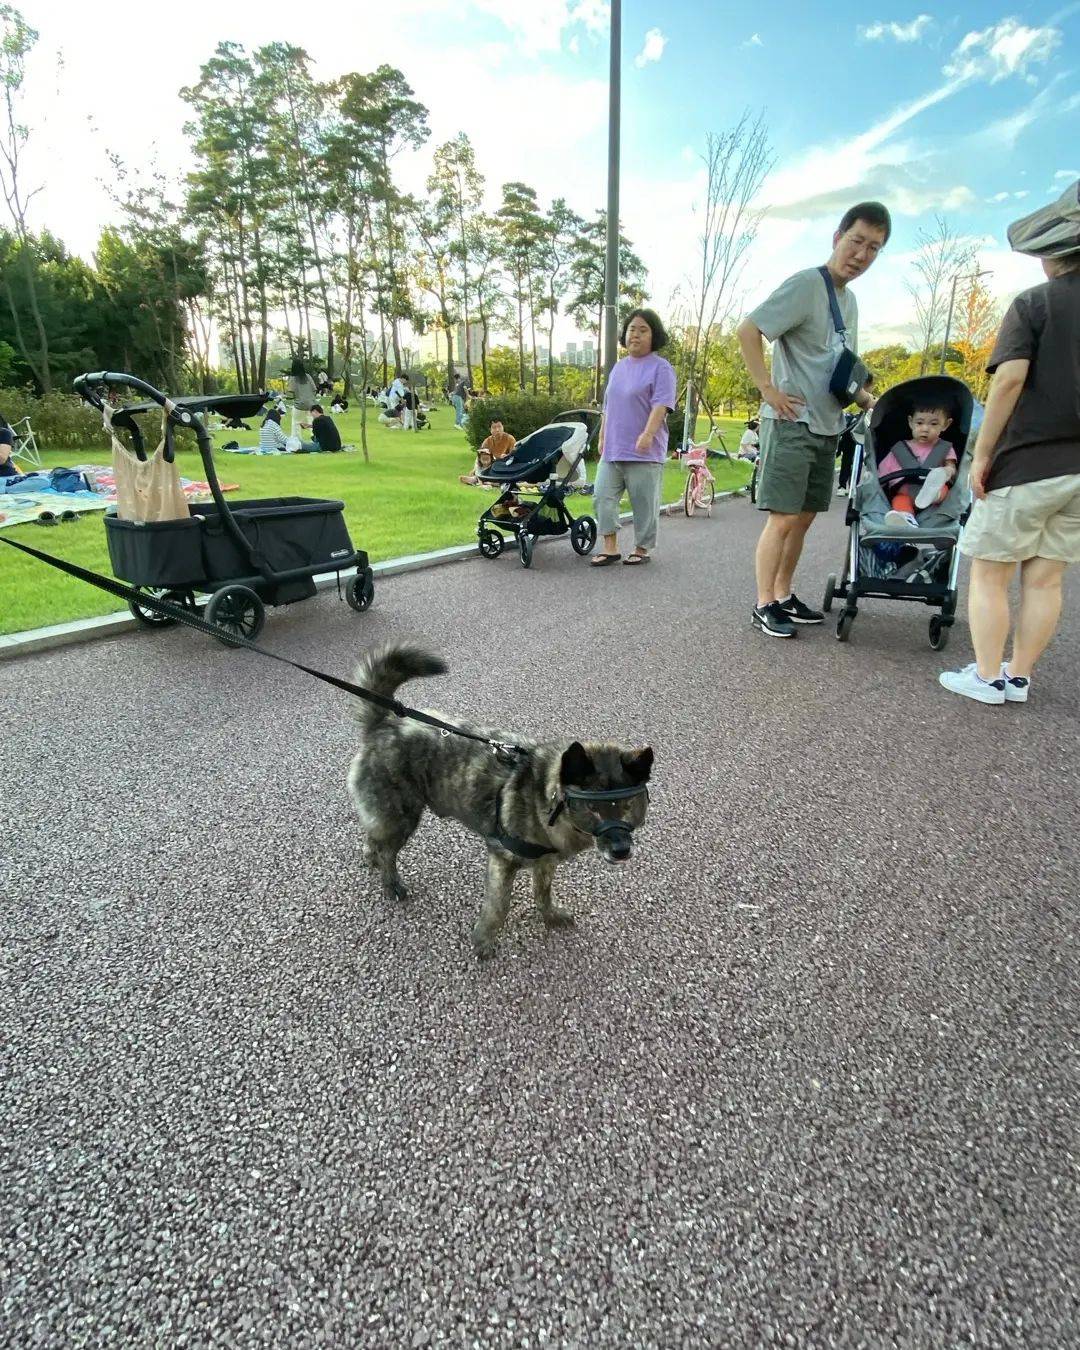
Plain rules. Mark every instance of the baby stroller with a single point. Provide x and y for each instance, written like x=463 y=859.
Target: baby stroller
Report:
x=242 y=555
x=535 y=459
x=902 y=563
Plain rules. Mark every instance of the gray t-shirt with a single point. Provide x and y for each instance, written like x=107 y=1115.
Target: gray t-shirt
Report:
x=797 y=321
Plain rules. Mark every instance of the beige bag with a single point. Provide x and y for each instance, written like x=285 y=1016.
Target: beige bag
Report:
x=146 y=489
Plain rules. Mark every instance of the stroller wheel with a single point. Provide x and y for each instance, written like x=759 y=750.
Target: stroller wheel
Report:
x=360 y=591
x=830 y=591
x=583 y=535
x=939 y=634
x=525 y=548
x=843 y=625
x=150 y=617
x=490 y=543
x=237 y=611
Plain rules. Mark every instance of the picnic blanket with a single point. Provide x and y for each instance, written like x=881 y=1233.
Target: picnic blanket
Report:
x=34 y=502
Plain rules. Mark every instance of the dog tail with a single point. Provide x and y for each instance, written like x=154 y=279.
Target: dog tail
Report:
x=385 y=669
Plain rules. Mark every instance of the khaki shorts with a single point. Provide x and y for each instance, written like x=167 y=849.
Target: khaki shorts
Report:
x=796 y=468
x=1027 y=520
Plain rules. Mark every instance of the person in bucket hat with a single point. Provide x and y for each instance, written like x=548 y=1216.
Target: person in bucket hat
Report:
x=1025 y=473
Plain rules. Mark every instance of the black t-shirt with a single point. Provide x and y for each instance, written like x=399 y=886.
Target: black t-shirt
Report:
x=325 y=431
x=1042 y=437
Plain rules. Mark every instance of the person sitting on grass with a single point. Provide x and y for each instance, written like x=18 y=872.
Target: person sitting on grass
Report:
x=271 y=436
x=927 y=422
x=7 y=451
x=495 y=446
x=325 y=436
x=339 y=404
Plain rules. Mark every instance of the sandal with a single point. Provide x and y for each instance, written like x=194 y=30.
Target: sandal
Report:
x=635 y=559
x=604 y=559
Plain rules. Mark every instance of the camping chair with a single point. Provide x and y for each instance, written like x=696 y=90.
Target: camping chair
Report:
x=26 y=446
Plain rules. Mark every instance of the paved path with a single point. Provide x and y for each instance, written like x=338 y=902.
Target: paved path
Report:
x=805 y=1074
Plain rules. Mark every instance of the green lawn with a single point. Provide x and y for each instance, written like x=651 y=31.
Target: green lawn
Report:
x=406 y=500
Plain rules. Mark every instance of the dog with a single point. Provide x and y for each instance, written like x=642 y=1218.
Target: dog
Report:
x=535 y=807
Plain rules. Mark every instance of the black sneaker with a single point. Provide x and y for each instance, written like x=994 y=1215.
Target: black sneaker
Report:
x=797 y=612
x=772 y=621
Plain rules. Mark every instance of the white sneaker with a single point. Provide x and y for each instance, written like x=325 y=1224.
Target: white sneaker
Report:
x=894 y=519
x=971 y=684
x=841 y=492
x=928 y=493
x=1016 y=686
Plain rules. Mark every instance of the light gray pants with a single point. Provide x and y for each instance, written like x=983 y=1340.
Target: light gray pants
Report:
x=642 y=482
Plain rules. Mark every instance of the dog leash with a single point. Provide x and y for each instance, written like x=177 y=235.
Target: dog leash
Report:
x=506 y=751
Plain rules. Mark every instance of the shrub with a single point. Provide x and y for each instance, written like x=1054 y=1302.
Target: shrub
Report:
x=60 y=421
x=520 y=414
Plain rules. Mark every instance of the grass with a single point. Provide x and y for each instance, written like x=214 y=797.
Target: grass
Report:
x=405 y=500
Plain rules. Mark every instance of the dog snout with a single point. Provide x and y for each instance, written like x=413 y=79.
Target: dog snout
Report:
x=619 y=849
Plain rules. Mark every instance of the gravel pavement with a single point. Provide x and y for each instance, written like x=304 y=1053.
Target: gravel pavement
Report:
x=805 y=1074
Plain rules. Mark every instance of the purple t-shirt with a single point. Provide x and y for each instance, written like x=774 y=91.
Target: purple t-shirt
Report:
x=637 y=385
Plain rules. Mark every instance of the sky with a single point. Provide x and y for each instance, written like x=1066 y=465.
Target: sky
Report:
x=971 y=111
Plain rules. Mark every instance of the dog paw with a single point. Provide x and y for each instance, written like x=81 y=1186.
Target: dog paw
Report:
x=483 y=945
x=559 y=918
x=396 y=891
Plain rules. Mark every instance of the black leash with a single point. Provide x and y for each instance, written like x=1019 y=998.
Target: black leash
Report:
x=505 y=750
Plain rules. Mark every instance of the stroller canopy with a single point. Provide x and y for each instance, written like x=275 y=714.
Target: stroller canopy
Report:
x=889 y=423
x=232 y=407
x=535 y=456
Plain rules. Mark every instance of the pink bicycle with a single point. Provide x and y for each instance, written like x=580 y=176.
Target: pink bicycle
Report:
x=700 y=491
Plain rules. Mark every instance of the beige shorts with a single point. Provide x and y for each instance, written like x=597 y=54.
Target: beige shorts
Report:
x=1027 y=520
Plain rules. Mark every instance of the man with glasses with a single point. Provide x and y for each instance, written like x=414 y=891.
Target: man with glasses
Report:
x=801 y=419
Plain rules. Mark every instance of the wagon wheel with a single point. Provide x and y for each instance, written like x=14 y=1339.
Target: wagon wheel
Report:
x=360 y=590
x=150 y=617
x=583 y=535
x=490 y=543
x=236 y=610
x=525 y=548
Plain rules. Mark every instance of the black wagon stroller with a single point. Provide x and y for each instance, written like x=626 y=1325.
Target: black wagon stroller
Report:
x=536 y=459
x=885 y=561
x=241 y=555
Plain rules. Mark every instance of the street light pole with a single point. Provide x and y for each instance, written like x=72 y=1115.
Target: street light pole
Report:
x=952 y=301
x=611 y=263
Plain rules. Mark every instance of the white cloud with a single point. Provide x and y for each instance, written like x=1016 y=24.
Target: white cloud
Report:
x=1021 y=195
x=754 y=40
x=1006 y=48
x=900 y=32
x=653 y=50
x=1067 y=173
x=998 y=197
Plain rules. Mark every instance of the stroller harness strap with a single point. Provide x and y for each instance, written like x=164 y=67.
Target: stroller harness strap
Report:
x=910 y=463
x=504 y=750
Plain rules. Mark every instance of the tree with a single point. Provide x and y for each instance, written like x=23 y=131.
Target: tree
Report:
x=491 y=301
x=458 y=190
x=17 y=40
x=382 y=103
x=586 y=302
x=521 y=226
x=561 y=230
x=884 y=363
x=975 y=325
x=435 y=271
x=736 y=163
x=231 y=190
x=941 y=256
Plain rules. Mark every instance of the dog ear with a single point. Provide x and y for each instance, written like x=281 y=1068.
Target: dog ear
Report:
x=576 y=765
x=638 y=765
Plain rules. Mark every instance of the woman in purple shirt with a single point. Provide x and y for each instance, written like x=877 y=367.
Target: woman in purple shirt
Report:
x=634 y=438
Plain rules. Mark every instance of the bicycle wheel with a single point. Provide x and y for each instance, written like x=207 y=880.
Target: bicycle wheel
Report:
x=706 y=496
x=689 y=495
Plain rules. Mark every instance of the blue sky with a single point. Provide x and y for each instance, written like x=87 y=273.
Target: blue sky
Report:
x=973 y=111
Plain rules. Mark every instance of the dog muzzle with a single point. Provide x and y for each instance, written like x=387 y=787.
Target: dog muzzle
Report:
x=610 y=817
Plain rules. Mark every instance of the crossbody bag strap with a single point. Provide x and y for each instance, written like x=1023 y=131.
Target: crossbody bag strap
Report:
x=834 y=305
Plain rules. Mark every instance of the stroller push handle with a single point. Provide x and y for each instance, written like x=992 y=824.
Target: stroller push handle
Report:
x=86 y=387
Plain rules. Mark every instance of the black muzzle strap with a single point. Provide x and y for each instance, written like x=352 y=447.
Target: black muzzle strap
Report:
x=181 y=614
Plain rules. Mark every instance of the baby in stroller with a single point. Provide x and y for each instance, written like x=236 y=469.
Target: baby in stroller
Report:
x=915 y=474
